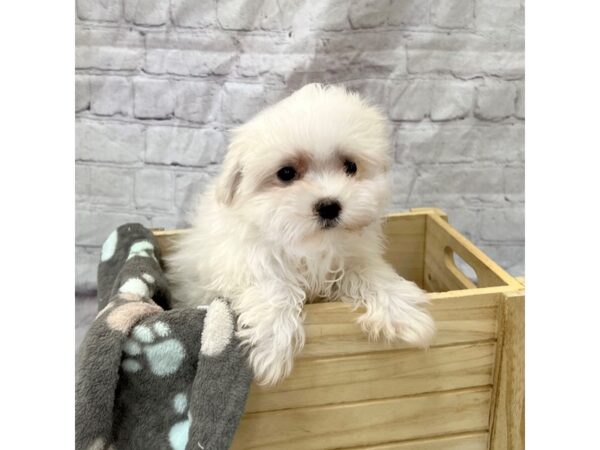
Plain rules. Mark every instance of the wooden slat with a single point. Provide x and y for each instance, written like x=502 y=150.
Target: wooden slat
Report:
x=431 y=210
x=466 y=441
x=508 y=415
x=438 y=278
x=331 y=328
x=441 y=273
x=377 y=375
x=365 y=423
x=405 y=238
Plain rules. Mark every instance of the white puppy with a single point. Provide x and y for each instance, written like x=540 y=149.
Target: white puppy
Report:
x=295 y=217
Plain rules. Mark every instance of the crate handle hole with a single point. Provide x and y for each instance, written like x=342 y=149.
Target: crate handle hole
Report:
x=457 y=264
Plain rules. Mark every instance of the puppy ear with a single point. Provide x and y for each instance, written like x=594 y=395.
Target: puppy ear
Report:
x=230 y=177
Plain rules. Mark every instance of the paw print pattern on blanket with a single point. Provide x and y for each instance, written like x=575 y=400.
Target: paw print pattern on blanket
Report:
x=178 y=434
x=154 y=344
x=109 y=246
x=144 y=249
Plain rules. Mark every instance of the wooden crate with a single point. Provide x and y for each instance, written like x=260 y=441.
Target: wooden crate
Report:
x=465 y=393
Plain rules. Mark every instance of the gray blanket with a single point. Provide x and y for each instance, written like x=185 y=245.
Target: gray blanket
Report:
x=149 y=377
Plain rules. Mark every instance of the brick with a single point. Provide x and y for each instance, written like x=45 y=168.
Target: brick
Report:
x=447 y=203
x=188 y=186
x=241 y=101
x=154 y=189
x=111 y=96
x=503 y=224
x=182 y=54
x=93 y=227
x=452 y=13
x=114 y=49
x=451 y=101
x=373 y=91
x=146 y=12
x=196 y=101
x=111 y=186
x=330 y=16
x=99 y=10
x=261 y=55
x=360 y=55
x=153 y=99
x=189 y=62
x=436 y=144
x=266 y=14
x=193 y=13
x=267 y=42
x=459 y=143
x=300 y=78
x=464 y=220
x=465 y=55
x=520 y=102
x=107 y=58
x=410 y=101
x=390 y=62
x=440 y=183
x=82 y=93
x=166 y=221
x=95 y=141
x=279 y=15
x=514 y=183
x=82 y=182
x=511 y=257
x=408 y=12
x=270 y=64
x=369 y=13
x=184 y=146
x=501 y=144
x=403 y=177
x=87 y=36
x=86 y=268
x=495 y=100
x=499 y=15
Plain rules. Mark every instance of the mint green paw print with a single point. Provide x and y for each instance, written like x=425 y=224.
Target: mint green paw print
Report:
x=178 y=434
x=153 y=343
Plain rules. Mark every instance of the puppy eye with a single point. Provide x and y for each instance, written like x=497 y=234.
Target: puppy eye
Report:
x=286 y=174
x=350 y=167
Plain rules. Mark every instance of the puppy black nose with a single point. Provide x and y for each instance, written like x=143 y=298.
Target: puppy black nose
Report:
x=328 y=209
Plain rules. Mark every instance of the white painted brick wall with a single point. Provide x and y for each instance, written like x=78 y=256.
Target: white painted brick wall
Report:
x=159 y=83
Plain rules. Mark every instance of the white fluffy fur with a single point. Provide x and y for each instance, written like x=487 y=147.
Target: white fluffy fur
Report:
x=258 y=241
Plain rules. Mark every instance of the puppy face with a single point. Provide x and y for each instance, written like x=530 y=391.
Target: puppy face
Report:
x=310 y=168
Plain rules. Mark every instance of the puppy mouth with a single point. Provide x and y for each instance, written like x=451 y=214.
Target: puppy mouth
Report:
x=327 y=224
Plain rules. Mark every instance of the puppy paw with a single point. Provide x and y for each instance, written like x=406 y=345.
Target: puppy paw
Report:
x=272 y=333
x=269 y=363
x=399 y=313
